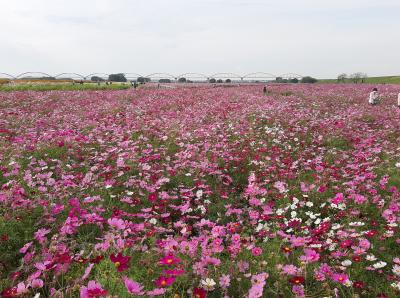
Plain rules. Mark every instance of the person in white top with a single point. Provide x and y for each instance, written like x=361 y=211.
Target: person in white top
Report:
x=374 y=97
x=398 y=100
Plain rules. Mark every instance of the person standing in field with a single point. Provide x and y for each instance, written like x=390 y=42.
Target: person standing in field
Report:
x=374 y=97
x=265 y=90
x=398 y=100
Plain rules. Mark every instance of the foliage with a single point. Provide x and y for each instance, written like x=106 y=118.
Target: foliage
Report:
x=143 y=80
x=96 y=79
x=200 y=191
x=308 y=80
x=117 y=77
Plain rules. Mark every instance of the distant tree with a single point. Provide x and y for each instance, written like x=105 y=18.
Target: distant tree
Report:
x=308 y=80
x=220 y=81
x=96 y=79
x=47 y=78
x=143 y=80
x=39 y=78
x=212 y=81
x=358 y=77
x=182 y=80
x=342 y=77
x=167 y=81
x=294 y=80
x=281 y=80
x=228 y=81
x=117 y=77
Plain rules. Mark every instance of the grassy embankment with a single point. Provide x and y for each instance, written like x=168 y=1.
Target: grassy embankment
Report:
x=62 y=87
x=371 y=80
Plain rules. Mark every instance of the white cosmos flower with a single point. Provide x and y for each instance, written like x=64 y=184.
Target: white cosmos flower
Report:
x=396 y=269
x=396 y=285
x=208 y=283
x=346 y=263
x=199 y=193
x=356 y=224
x=371 y=258
x=379 y=265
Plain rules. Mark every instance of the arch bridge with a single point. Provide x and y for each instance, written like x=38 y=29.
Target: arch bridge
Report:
x=255 y=76
x=289 y=76
x=259 y=76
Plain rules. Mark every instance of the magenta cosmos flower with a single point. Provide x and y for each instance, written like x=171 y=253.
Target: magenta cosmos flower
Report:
x=169 y=260
x=164 y=281
x=121 y=262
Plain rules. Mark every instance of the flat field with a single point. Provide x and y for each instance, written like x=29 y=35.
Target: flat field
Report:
x=200 y=192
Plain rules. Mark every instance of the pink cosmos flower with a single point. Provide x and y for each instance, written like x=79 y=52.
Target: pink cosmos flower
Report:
x=116 y=223
x=298 y=290
x=40 y=235
x=290 y=269
x=224 y=281
x=256 y=251
x=37 y=283
x=310 y=256
x=87 y=271
x=156 y=292
x=174 y=272
x=22 y=288
x=93 y=289
x=338 y=198
x=340 y=278
x=297 y=241
x=25 y=248
x=280 y=186
x=243 y=266
x=133 y=287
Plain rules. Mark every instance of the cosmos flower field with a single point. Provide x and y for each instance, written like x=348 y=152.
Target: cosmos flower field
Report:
x=200 y=192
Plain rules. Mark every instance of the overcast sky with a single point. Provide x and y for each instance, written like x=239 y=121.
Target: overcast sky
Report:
x=310 y=37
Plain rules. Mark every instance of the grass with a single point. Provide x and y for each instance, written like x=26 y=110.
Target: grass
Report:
x=371 y=80
x=62 y=87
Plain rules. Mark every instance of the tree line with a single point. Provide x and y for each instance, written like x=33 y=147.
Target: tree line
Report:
x=120 y=77
x=357 y=77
